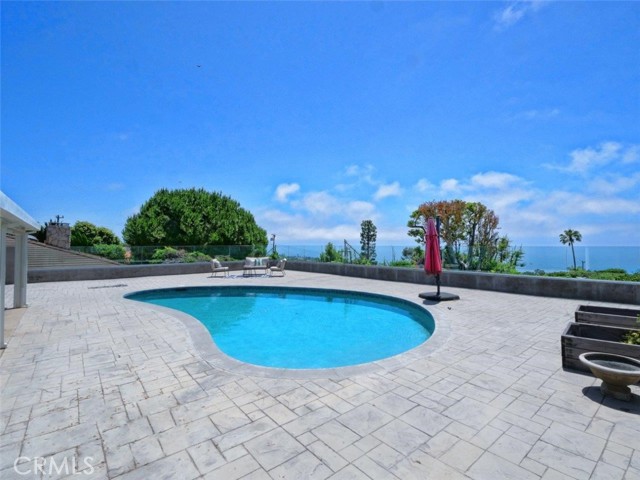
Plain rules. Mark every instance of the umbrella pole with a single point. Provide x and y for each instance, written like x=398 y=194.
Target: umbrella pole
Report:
x=438 y=285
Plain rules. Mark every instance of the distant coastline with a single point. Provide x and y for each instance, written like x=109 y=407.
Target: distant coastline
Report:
x=549 y=258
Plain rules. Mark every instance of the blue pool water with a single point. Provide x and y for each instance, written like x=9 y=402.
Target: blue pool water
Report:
x=298 y=327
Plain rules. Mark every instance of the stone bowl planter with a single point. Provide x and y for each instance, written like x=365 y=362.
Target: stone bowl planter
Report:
x=617 y=372
x=579 y=338
x=615 y=317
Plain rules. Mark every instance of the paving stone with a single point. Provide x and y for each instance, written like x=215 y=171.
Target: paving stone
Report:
x=373 y=470
x=385 y=456
x=486 y=437
x=335 y=435
x=561 y=460
x=242 y=434
x=302 y=466
x=229 y=419
x=420 y=465
x=364 y=419
x=510 y=448
x=491 y=467
x=401 y=437
x=234 y=470
x=604 y=471
x=167 y=468
x=119 y=460
x=462 y=455
x=273 y=448
x=59 y=440
x=426 y=420
x=146 y=451
x=310 y=421
x=574 y=441
x=280 y=414
x=296 y=398
x=393 y=404
x=472 y=413
x=130 y=431
x=350 y=472
x=328 y=456
x=187 y=435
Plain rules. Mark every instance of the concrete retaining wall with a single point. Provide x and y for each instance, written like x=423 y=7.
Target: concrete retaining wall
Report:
x=583 y=289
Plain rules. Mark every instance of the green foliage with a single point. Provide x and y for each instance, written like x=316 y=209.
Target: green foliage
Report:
x=413 y=255
x=616 y=274
x=112 y=252
x=166 y=254
x=469 y=224
x=368 y=236
x=173 y=255
x=193 y=257
x=331 y=254
x=86 y=234
x=193 y=217
x=402 y=263
x=41 y=235
x=633 y=337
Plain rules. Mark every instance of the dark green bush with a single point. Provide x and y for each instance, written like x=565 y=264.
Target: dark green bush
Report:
x=112 y=252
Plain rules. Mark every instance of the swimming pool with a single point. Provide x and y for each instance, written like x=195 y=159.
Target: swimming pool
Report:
x=300 y=328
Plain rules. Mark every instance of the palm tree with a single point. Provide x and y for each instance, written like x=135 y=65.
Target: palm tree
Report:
x=571 y=236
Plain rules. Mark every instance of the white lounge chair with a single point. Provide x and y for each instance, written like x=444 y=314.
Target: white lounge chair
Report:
x=278 y=268
x=216 y=267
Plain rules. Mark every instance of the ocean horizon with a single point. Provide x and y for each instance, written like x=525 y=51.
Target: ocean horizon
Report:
x=547 y=258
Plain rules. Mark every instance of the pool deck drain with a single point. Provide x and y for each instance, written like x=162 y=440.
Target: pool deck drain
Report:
x=131 y=392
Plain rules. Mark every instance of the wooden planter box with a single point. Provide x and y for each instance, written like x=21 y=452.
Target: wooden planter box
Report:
x=579 y=338
x=615 y=317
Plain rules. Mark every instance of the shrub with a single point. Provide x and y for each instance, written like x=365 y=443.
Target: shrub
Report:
x=167 y=255
x=112 y=252
x=193 y=257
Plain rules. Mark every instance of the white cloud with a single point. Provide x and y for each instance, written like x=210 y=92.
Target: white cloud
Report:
x=586 y=160
x=285 y=189
x=388 y=190
x=363 y=172
x=359 y=210
x=450 y=185
x=612 y=184
x=514 y=12
x=319 y=203
x=496 y=180
x=424 y=185
x=631 y=155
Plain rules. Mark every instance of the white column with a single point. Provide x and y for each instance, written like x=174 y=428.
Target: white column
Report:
x=3 y=275
x=21 y=262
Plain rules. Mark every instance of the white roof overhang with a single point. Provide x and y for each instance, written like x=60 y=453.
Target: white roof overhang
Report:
x=14 y=217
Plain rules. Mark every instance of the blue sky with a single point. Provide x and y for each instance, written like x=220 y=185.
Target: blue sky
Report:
x=316 y=116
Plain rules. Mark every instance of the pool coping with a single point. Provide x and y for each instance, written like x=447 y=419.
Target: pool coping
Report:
x=209 y=352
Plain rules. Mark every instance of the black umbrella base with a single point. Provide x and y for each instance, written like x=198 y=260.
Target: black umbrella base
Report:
x=443 y=297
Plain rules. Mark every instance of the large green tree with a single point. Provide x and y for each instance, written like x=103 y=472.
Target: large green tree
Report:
x=86 y=234
x=469 y=224
x=192 y=217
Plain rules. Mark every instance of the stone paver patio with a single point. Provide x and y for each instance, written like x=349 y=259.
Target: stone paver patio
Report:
x=97 y=385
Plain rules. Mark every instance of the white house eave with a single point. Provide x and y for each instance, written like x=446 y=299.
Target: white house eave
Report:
x=14 y=217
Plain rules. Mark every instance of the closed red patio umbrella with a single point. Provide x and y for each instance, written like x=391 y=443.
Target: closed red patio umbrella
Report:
x=433 y=261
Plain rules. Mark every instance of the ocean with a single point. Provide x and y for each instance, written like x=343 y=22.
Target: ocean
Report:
x=548 y=259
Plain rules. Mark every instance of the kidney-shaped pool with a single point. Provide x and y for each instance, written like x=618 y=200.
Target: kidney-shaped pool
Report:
x=301 y=328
